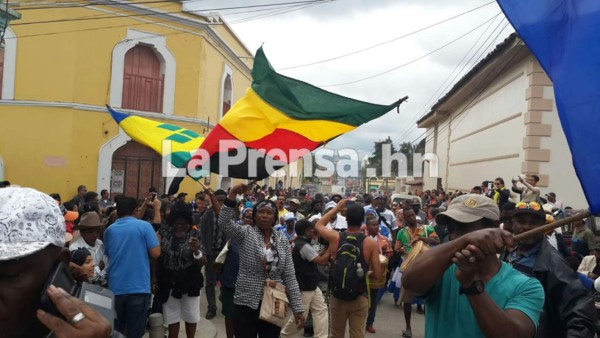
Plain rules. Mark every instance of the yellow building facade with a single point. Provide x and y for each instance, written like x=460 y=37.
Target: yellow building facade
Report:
x=64 y=62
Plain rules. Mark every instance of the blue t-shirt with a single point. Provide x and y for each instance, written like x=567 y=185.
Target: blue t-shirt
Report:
x=450 y=314
x=126 y=243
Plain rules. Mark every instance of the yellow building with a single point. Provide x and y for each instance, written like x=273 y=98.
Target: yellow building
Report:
x=64 y=61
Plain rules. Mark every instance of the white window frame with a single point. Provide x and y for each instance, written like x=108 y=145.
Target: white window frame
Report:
x=168 y=67
x=10 y=65
x=226 y=71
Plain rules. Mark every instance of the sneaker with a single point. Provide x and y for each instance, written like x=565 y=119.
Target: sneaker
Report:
x=406 y=334
x=210 y=315
x=371 y=329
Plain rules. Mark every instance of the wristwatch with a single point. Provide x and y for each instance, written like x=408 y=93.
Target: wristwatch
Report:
x=475 y=288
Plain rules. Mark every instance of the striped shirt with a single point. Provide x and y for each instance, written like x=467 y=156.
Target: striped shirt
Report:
x=250 y=282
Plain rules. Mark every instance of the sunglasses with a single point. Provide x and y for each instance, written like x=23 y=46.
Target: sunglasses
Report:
x=531 y=205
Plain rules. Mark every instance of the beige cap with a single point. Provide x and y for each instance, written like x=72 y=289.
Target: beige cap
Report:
x=469 y=208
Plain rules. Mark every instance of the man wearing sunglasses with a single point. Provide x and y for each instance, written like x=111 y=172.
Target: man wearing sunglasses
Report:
x=569 y=308
x=468 y=291
x=500 y=194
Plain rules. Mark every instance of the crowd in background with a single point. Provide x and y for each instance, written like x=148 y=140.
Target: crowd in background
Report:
x=156 y=254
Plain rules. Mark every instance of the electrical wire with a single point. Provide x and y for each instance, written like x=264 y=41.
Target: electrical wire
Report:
x=409 y=62
x=103 y=27
x=412 y=124
x=299 y=7
x=102 y=16
x=389 y=41
x=470 y=104
x=450 y=79
x=109 y=3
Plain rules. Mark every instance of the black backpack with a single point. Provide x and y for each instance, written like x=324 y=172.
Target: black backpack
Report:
x=345 y=282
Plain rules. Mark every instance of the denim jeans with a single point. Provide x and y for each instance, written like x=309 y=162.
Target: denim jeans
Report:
x=372 y=307
x=132 y=314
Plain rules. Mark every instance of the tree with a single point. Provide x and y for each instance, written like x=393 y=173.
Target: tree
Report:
x=376 y=159
x=410 y=150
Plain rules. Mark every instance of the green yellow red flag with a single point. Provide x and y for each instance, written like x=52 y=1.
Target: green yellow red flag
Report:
x=280 y=119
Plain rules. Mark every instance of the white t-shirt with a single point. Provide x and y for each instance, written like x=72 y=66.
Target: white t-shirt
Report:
x=339 y=223
x=390 y=218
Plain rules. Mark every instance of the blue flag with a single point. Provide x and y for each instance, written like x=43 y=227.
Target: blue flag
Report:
x=564 y=35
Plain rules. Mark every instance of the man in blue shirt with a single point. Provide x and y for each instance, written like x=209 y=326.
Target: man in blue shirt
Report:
x=468 y=291
x=128 y=244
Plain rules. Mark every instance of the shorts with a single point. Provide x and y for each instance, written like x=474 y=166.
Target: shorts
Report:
x=226 y=298
x=406 y=296
x=186 y=308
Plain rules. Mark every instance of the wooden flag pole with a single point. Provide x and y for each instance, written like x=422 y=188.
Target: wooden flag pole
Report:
x=545 y=228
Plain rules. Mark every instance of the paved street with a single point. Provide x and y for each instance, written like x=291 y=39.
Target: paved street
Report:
x=389 y=321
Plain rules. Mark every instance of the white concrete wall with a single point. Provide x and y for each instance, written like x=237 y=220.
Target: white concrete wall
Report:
x=563 y=180
x=472 y=149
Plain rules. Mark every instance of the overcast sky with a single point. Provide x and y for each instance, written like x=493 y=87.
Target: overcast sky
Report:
x=339 y=27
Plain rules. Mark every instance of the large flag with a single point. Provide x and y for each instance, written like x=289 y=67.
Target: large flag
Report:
x=181 y=142
x=279 y=120
x=564 y=35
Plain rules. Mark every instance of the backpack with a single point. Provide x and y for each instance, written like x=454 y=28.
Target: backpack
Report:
x=345 y=282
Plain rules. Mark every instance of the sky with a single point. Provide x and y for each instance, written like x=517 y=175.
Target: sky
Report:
x=316 y=32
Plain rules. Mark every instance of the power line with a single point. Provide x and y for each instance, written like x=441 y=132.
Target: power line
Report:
x=469 y=105
x=278 y=12
x=412 y=126
x=105 y=27
x=442 y=89
x=388 y=41
x=102 y=16
x=109 y=3
x=410 y=62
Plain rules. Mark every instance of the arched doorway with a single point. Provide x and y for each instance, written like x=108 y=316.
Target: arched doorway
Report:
x=136 y=168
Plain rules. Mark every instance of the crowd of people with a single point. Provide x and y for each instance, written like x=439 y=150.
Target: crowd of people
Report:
x=325 y=260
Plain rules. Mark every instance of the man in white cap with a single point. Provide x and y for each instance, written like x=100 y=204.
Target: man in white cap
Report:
x=468 y=291
x=288 y=229
x=338 y=222
x=293 y=205
x=32 y=239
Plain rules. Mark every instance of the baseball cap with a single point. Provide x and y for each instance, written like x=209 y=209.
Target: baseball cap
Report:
x=295 y=201
x=469 y=208
x=289 y=216
x=314 y=218
x=330 y=205
x=31 y=221
x=182 y=194
x=551 y=194
x=532 y=208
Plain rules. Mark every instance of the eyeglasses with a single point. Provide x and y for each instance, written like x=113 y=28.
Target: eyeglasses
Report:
x=531 y=205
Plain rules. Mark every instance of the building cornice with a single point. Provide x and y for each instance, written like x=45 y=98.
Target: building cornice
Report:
x=180 y=19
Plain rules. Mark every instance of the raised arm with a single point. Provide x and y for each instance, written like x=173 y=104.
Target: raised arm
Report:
x=215 y=205
x=527 y=185
x=232 y=229
x=329 y=235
